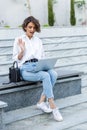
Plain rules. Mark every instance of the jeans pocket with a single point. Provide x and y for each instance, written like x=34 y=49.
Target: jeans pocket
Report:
x=31 y=67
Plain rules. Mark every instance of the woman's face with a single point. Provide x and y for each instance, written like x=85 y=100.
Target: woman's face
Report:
x=30 y=29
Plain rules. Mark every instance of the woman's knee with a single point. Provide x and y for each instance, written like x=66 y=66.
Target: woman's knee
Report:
x=53 y=73
x=45 y=75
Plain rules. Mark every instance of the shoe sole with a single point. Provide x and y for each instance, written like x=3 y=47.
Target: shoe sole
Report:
x=58 y=120
x=44 y=110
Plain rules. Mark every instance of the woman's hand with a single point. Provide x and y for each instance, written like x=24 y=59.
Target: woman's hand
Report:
x=22 y=47
x=21 y=44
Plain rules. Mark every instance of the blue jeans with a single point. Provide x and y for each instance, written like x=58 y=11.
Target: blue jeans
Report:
x=48 y=78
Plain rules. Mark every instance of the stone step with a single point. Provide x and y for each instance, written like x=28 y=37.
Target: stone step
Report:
x=2 y=74
x=36 y=123
x=5 y=58
x=73 y=109
x=6 y=43
x=4 y=68
x=28 y=112
x=5 y=50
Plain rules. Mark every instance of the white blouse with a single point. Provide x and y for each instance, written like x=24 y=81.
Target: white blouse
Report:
x=33 y=49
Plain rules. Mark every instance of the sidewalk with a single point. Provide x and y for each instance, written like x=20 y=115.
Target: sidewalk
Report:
x=73 y=109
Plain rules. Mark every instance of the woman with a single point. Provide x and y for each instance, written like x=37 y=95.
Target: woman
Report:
x=27 y=50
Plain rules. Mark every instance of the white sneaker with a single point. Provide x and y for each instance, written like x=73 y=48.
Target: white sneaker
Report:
x=57 y=115
x=44 y=107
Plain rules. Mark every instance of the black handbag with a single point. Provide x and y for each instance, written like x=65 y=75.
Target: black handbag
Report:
x=14 y=73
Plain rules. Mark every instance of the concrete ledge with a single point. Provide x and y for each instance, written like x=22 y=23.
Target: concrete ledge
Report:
x=24 y=94
x=29 y=95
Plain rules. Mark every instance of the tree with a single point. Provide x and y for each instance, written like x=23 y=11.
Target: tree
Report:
x=72 y=14
x=50 y=13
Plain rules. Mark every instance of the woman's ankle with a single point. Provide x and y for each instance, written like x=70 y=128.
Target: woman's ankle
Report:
x=42 y=99
x=52 y=104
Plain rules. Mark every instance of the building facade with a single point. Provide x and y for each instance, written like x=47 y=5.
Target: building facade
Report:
x=13 y=12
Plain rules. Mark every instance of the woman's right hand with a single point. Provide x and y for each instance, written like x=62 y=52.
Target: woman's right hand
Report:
x=22 y=47
x=21 y=43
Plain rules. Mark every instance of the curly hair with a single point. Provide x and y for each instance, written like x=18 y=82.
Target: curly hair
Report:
x=33 y=20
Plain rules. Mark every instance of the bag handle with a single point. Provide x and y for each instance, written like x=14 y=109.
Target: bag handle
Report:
x=15 y=64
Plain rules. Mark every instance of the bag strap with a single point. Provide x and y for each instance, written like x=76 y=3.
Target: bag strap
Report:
x=6 y=83
x=15 y=63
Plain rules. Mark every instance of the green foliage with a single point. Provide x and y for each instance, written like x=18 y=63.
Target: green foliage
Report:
x=72 y=14
x=45 y=25
x=50 y=13
x=19 y=26
x=7 y=26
